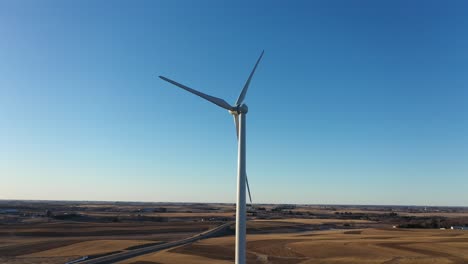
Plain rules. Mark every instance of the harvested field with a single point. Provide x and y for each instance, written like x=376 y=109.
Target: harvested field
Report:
x=59 y=242
x=89 y=248
x=73 y=229
x=289 y=225
x=27 y=260
x=29 y=247
x=206 y=214
x=365 y=246
x=317 y=221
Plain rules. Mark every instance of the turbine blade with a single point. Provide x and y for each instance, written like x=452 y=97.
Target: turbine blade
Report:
x=248 y=188
x=215 y=100
x=236 y=123
x=246 y=86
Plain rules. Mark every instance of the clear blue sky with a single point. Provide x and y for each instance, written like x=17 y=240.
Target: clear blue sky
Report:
x=355 y=102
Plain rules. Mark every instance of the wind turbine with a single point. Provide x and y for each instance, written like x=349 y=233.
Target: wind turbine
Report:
x=239 y=112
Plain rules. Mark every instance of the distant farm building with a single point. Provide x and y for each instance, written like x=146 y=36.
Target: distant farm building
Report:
x=459 y=227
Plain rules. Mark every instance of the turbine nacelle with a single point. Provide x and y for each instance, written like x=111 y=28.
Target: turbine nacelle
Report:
x=240 y=109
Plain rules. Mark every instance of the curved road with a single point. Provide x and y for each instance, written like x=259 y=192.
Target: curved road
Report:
x=142 y=251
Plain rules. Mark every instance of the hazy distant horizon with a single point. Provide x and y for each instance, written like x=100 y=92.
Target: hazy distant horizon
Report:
x=233 y=203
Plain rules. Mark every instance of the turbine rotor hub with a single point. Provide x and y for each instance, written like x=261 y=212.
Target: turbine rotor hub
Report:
x=239 y=109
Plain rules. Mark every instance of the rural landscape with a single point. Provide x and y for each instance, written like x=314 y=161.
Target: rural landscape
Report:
x=148 y=233
x=233 y=132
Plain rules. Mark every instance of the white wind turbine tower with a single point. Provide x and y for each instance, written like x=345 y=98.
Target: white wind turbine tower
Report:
x=239 y=112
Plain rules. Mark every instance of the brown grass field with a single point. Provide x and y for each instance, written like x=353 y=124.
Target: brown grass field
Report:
x=388 y=246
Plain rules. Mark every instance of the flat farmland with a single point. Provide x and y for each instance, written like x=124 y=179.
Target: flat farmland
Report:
x=321 y=221
x=60 y=242
x=78 y=229
x=53 y=232
x=337 y=246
